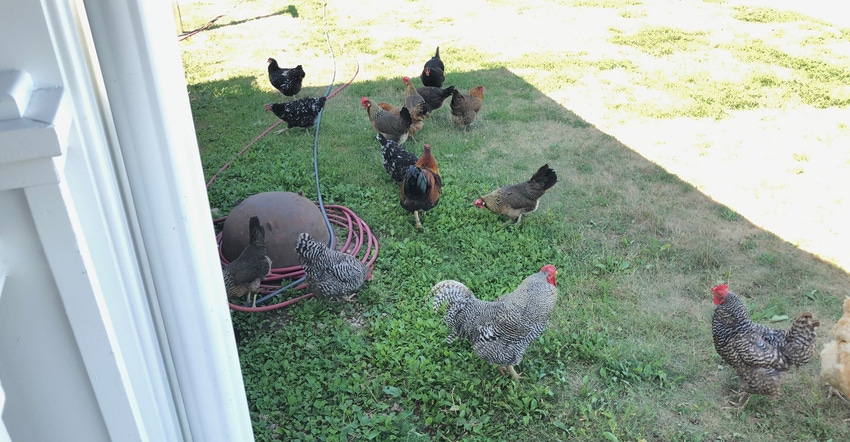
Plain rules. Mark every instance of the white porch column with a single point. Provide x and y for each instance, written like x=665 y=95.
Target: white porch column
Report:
x=145 y=87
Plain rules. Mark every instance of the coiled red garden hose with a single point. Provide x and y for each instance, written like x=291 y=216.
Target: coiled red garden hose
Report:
x=357 y=237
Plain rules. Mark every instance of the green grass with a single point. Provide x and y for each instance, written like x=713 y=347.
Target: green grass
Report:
x=660 y=41
x=759 y=14
x=627 y=354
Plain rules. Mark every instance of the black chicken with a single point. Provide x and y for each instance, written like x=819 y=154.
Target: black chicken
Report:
x=302 y=112
x=286 y=80
x=433 y=72
x=434 y=96
x=397 y=160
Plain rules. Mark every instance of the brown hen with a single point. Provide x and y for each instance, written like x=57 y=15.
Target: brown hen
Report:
x=465 y=107
x=244 y=274
x=519 y=199
x=394 y=127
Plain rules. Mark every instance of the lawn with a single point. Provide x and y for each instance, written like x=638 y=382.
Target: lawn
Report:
x=696 y=142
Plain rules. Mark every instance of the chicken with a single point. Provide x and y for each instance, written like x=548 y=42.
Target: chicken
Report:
x=394 y=127
x=330 y=273
x=434 y=97
x=514 y=201
x=500 y=330
x=286 y=80
x=245 y=273
x=433 y=72
x=757 y=353
x=397 y=160
x=421 y=185
x=465 y=107
x=302 y=112
x=835 y=357
x=415 y=104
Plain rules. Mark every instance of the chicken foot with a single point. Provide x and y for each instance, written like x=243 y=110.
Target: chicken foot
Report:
x=836 y=393
x=743 y=398
x=510 y=369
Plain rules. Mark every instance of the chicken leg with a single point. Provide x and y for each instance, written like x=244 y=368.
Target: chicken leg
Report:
x=743 y=398
x=510 y=369
x=416 y=215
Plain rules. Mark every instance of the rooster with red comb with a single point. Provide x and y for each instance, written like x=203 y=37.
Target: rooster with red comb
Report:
x=757 y=353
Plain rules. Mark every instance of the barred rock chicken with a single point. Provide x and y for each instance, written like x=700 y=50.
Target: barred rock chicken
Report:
x=434 y=97
x=518 y=199
x=394 y=127
x=835 y=357
x=757 y=353
x=397 y=160
x=433 y=72
x=465 y=107
x=500 y=330
x=421 y=185
x=286 y=80
x=330 y=273
x=302 y=112
x=244 y=274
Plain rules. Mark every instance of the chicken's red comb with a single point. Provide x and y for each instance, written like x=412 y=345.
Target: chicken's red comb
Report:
x=405 y=79
x=721 y=289
x=364 y=100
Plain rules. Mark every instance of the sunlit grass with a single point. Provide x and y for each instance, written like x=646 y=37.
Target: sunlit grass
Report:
x=660 y=41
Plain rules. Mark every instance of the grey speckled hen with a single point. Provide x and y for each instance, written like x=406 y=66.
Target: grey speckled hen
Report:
x=330 y=273
x=500 y=331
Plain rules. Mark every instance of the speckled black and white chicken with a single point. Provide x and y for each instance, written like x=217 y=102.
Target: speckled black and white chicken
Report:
x=302 y=112
x=287 y=80
x=757 y=353
x=500 y=331
x=330 y=273
x=396 y=159
x=244 y=274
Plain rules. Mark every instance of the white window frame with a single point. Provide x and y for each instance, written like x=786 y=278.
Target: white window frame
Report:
x=147 y=227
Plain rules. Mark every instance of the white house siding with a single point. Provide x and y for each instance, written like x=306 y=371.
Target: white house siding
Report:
x=48 y=392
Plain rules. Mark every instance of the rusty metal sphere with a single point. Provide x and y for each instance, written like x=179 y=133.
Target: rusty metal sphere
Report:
x=284 y=215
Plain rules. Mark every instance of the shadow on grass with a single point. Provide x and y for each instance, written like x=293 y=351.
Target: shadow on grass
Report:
x=212 y=25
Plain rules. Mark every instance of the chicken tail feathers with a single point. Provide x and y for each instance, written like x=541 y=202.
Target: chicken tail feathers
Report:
x=545 y=177
x=458 y=299
x=801 y=340
x=309 y=248
x=405 y=116
x=415 y=183
x=451 y=292
x=256 y=231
